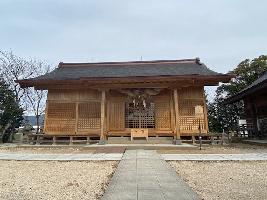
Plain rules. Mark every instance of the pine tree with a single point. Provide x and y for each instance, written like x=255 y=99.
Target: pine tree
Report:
x=10 y=111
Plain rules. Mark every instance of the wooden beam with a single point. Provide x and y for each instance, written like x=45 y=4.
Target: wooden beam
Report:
x=176 y=109
x=103 y=115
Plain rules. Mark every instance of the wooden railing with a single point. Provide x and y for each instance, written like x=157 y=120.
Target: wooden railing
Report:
x=59 y=139
x=191 y=123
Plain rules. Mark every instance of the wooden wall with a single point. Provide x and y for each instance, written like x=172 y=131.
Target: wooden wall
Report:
x=73 y=112
x=79 y=112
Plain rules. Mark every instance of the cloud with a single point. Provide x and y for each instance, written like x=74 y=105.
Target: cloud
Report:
x=221 y=32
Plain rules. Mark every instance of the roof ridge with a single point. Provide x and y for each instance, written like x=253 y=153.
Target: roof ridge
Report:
x=194 y=60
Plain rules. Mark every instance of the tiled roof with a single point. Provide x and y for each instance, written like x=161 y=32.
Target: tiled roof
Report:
x=73 y=71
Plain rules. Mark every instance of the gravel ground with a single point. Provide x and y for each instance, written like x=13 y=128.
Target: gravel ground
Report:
x=25 y=180
x=235 y=148
x=225 y=180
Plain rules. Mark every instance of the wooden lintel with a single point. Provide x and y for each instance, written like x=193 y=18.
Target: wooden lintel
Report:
x=106 y=87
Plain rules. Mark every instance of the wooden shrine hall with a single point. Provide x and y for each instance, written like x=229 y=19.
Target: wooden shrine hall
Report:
x=254 y=98
x=137 y=98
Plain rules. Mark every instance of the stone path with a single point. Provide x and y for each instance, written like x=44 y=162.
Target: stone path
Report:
x=143 y=175
x=60 y=157
x=216 y=157
x=118 y=156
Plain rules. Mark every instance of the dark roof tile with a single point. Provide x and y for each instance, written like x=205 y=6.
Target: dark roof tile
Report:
x=72 y=71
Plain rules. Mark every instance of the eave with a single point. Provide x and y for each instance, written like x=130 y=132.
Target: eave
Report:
x=126 y=81
x=246 y=93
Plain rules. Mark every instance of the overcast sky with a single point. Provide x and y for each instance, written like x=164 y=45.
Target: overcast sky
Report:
x=221 y=32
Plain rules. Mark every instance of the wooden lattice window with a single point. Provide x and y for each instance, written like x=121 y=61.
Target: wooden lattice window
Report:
x=139 y=118
x=162 y=115
x=61 y=118
x=89 y=116
x=187 y=106
x=61 y=110
x=189 y=98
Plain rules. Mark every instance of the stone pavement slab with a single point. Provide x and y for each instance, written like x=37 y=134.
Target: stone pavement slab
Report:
x=216 y=157
x=60 y=157
x=143 y=175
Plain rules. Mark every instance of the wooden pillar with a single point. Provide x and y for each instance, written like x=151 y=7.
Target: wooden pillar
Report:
x=77 y=117
x=205 y=111
x=54 y=140
x=176 y=111
x=46 y=115
x=103 y=115
x=87 y=140
x=254 y=118
x=71 y=140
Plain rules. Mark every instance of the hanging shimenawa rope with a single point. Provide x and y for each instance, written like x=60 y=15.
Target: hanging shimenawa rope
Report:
x=141 y=98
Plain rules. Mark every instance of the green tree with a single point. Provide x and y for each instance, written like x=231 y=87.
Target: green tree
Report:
x=10 y=111
x=221 y=115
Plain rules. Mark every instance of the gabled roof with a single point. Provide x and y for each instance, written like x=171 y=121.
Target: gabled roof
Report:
x=257 y=85
x=127 y=70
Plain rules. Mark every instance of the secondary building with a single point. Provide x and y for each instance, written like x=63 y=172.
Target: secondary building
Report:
x=255 y=102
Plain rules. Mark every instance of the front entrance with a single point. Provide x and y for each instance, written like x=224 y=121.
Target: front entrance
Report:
x=139 y=117
x=139 y=109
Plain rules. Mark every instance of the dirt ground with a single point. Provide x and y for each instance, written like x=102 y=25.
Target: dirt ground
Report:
x=234 y=148
x=25 y=180
x=59 y=149
x=52 y=150
x=228 y=180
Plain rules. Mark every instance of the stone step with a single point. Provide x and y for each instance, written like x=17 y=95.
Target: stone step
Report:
x=151 y=140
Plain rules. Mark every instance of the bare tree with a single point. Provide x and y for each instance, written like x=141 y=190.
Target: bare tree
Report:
x=35 y=100
x=14 y=68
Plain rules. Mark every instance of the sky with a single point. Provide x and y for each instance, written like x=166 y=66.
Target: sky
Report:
x=221 y=33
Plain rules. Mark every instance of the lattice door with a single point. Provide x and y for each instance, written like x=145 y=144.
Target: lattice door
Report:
x=139 y=118
x=162 y=115
x=116 y=115
x=89 y=116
